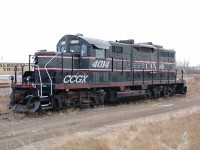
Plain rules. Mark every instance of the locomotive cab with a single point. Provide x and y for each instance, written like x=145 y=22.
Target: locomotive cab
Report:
x=83 y=46
x=73 y=45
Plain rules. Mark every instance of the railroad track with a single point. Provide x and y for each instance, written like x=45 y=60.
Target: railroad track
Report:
x=4 y=116
x=3 y=113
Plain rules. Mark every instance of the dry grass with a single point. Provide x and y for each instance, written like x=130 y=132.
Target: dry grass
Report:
x=97 y=143
x=4 y=97
x=175 y=133
x=180 y=133
x=193 y=86
x=192 y=71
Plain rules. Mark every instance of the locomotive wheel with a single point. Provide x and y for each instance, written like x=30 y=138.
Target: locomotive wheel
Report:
x=172 y=90
x=110 y=97
x=29 y=102
x=165 y=92
x=59 y=100
x=32 y=105
x=55 y=104
x=148 y=94
x=169 y=91
x=76 y=103
x=156 y=92
x=93 y=102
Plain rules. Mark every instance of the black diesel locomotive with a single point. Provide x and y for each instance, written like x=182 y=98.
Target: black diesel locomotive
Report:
x=86 y=72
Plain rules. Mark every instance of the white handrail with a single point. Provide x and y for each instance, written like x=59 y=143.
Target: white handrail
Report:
x=184 y=74
x=48 y=72
x=40 y=80
x=181 y=74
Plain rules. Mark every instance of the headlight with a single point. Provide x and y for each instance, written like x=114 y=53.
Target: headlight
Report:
x=28 y=78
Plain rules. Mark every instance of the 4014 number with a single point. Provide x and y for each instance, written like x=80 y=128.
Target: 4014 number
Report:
x=101 y=64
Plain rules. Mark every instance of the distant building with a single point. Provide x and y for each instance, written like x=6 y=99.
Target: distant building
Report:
x=7 y=68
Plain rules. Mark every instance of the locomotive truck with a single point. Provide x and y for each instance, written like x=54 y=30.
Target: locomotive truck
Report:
x=85 y=72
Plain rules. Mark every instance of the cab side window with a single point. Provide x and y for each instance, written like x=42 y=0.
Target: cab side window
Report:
x=62 y=47
x=83 y=50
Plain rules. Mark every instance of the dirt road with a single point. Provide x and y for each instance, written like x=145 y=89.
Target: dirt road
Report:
x=15 y=132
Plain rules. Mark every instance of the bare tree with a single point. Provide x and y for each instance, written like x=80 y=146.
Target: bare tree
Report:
x=183 y=64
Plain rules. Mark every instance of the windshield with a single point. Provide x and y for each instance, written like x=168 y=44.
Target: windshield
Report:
x=73 y=45
x=74 y=48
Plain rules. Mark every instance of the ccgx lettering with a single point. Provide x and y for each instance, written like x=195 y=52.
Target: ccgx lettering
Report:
x=75 y=79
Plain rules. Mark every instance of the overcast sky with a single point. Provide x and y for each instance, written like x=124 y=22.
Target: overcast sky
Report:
x=30 y=25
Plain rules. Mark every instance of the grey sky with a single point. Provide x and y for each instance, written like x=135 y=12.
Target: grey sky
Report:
x=30 y=25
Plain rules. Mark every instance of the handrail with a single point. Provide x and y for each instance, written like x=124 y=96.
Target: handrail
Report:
x=181 y=75
x=48 y=72
x=40 y=80
x=184 y=74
